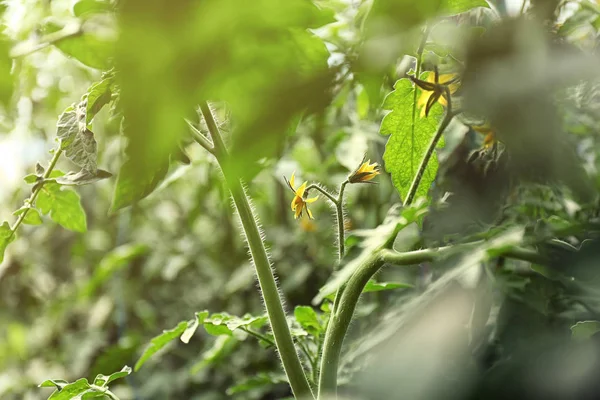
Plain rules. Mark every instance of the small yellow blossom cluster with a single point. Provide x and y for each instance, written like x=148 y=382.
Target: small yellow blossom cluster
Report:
x=364 y=173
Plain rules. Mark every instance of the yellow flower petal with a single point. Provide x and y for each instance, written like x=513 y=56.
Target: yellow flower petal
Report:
x=293 y=179
x=301 y=189
x=311 y=200
x=309 y=213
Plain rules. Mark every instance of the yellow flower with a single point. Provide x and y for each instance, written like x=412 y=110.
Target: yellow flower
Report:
x=432 y=92
x=487 y=130
x=300 y=201
x=364 y=173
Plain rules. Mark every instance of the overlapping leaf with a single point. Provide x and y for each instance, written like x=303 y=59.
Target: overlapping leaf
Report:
x=63 y=206
x=6 y=236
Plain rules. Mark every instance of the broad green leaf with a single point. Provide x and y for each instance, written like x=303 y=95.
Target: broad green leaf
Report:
x=31 y=178
x=585 y=329
x=216 y=325
x=257 y=381
x=90 y=49
x=33 y=215
x=76 y=140
x=83 y=177
x=408 y=142
x=86 y=7
x=132 y=187
x=307 y=318
x=6 y=79
x=104 y=380
x=6 y=236
x=159 y=342
x=373 y=286
x=63 y=206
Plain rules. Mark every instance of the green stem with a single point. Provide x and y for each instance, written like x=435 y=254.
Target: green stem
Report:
x=339 y=212
x=259 y=336
x=266 y=279
x=36 y=192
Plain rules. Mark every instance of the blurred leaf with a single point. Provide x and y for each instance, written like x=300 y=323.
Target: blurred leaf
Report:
x=258 y=57
x=307 y=318
x=85 y=46
x=83 y=177
x=6 y=80
x=31 y=178
x=585 y=329
x=87 y=7
x=76 y=140
x=255 y=382
x=33 y=215
x=460 y=6
x=113 y=261
x=373 y=286
x=408 y=142
x=63 y=205
x=104 y=380
x=132 y=187
x=6 y=236
x=222 y=346
x=159 y=342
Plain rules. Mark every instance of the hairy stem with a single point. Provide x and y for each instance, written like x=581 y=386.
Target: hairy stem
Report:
x=266 y=279
x=36 y=192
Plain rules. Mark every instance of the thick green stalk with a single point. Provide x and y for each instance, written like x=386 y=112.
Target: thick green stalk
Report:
x=266 y=279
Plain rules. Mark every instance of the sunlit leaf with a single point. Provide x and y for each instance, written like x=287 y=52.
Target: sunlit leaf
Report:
x=132 y=187
x=6 y=80
x=86 y=7
x=307 y=318
x=159 y=342
x=257 y=381
x=408 y=142
x=97 y=96
x=63 y=205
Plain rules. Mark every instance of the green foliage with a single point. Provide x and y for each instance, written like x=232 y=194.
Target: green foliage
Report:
x=161 y=341
x=63 y=206
x=82 y=389
x=6 y=84
x=409 y=137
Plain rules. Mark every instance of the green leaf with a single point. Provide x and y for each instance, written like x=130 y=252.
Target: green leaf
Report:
x=373 y=286
x=93 y=50
x=408 y=142
x=585 y=329
x=104 y=380
x=88 y=7
x=307 y=318
x=225 y=324
x=31 y=178
x=98 y=95
x=76 y=140
x=33 y=215
x=159 y=342
x=72 y=391
x=6 y=78
x=63 y=206
x=83 y=177
x=6 y=236
x=131 y=187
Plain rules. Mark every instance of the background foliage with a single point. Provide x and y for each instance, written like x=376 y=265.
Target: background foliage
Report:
x=132 y=232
